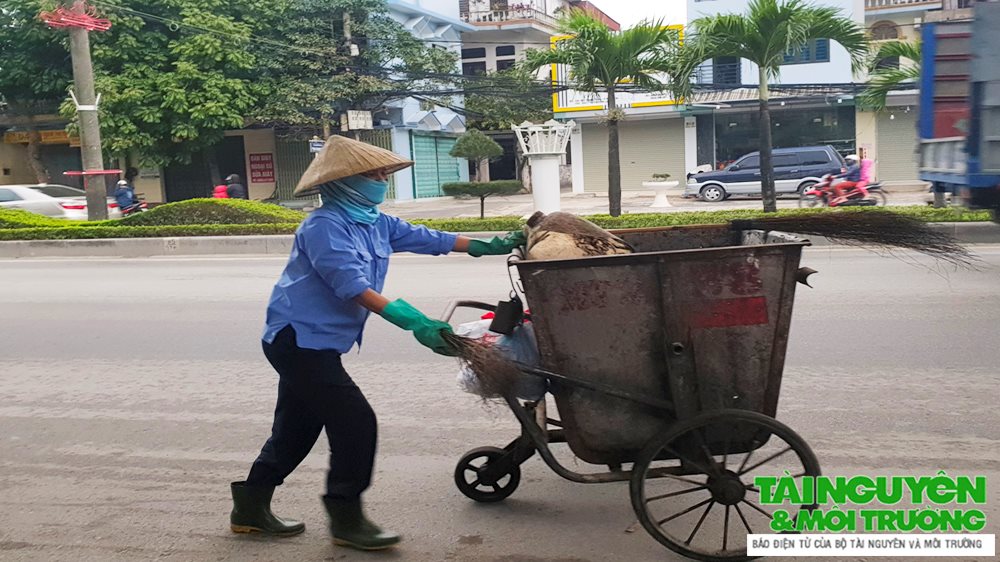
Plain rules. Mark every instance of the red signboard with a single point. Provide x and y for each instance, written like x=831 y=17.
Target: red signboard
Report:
x=262 y=168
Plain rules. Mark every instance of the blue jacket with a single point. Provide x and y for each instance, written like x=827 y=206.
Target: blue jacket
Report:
x=125 y=196
x=853 y=173
x=333 y=260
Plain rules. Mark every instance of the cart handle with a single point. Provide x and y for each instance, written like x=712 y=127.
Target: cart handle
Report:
x=449 y=311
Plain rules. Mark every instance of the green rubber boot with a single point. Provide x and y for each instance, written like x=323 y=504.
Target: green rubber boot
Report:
x=350 y=527
x=252 y=512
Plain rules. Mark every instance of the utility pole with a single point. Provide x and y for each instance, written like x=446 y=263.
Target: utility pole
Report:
x=90 y=128
x=79 y=20
x=352 y=51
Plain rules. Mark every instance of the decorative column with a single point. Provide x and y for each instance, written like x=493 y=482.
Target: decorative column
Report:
x=544 y=145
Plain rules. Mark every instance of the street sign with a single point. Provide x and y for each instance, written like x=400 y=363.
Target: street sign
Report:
x=315 y=145
x=358 y=120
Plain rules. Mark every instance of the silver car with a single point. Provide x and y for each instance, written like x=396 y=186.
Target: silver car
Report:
x=53 y=200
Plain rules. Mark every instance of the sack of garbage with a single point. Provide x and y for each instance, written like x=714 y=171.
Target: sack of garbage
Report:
x=520 y=347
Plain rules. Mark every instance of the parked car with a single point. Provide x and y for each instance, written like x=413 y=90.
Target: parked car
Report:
x=53 y=200
x=795 y=169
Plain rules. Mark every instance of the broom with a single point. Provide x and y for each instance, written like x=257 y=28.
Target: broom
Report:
x=497 y=375
x=879 y=228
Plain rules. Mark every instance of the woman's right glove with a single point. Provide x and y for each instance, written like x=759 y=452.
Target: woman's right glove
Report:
x=427 y=330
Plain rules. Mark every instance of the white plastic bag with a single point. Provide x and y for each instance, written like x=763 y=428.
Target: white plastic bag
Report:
x=520 y=346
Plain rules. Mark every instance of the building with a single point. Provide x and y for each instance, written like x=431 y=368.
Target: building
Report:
x=813 y=103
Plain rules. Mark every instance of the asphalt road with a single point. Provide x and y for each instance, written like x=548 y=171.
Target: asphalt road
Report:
x=133 y=391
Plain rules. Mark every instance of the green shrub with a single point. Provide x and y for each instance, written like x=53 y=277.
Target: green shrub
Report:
x=18 y=218
x=92 y=232
x=482 y=190
x=213 y=211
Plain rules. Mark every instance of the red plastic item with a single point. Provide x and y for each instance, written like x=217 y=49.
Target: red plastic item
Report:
x=80 y=15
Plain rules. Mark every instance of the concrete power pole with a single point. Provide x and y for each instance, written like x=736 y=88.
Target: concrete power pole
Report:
x=90 y=129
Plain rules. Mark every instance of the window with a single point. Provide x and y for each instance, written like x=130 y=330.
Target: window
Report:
x=726 y=71
x=473 y=68
x=814 y=158
x=884 y=30
x=59 y=191
x=749 y=163
x=817 y=50
x=780 y=160
x=504 y=64
x=505 y=51
x=476 y=53
x=8 y=195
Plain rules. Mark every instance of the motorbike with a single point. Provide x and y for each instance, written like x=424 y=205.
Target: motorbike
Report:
x=822 y=194
x=137 y=207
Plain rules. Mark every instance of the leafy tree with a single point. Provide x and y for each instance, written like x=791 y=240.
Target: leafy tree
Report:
x=884 y=79
x=35 y=70
x=475 y=146
x=763 y=35
x=309 y=84
x=482 y=190
x=505 y=98
x=603 y=60
x=175 y=74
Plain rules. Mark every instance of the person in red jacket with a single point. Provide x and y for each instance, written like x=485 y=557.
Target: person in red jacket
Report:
x=220 y=192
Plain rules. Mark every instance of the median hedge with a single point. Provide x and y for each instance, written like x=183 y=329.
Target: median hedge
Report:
x=271 y=219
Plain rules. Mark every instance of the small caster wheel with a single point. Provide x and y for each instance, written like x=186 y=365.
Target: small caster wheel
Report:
x=478 y=480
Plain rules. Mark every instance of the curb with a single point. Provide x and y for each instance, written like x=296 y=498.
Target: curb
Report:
x=967 y=232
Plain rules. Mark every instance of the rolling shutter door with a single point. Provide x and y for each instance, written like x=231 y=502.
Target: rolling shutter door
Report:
x=897 y=139
x=433 y=165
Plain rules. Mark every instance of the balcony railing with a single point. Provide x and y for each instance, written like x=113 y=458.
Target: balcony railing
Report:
x=500 y=17
x=902 y=4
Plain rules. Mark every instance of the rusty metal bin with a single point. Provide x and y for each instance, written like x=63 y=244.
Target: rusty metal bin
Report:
x=698 y=316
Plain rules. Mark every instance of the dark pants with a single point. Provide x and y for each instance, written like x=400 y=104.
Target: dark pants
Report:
x=314 y=392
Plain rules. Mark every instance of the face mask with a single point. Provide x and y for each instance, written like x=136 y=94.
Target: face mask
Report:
x=358 y=196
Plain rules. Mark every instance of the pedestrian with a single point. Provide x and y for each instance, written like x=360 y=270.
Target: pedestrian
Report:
x=220 y=192
x=317 y=312
x=235 y=189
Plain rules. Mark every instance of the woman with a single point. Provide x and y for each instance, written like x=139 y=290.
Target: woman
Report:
x=317 y=312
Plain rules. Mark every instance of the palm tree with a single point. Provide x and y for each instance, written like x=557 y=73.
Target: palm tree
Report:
x=883 y=79
x=601 y=60
x=764 y=35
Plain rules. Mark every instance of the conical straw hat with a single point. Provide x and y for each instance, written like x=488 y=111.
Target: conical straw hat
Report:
x=342 y=157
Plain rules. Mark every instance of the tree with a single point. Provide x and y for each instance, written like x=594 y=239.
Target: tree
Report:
x=173 y=76
x=764 y=35
x=308 y=84
x=35 y=71
x=482 y=190
x=475 y=146
x=884 y=79
x=505 y=98
x=603 y=60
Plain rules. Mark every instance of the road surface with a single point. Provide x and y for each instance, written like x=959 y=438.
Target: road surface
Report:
x=133 y=391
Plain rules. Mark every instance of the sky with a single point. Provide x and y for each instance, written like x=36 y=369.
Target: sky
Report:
x=630 y=12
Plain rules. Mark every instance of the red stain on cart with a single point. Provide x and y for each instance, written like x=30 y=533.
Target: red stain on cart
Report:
x=726 y=313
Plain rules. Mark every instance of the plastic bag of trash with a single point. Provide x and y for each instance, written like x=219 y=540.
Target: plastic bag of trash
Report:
x=520 y=346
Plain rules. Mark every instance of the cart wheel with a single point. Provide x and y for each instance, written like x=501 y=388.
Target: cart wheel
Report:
x=703 y=504
x=475 y=481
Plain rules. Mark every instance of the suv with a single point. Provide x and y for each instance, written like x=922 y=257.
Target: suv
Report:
x=795 y=170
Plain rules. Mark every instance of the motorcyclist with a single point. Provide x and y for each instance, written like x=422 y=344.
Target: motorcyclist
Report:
x=125 y=196
x=235 y=189
x=856 y=177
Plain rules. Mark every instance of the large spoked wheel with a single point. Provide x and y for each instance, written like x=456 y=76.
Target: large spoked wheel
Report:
x=706 y=511
x=487 y=474
x=713 y=193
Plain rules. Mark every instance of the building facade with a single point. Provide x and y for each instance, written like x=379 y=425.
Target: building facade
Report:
x=813 y=103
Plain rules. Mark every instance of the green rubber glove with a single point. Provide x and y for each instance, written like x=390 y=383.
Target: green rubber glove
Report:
x=497 y=246
x=427 y=330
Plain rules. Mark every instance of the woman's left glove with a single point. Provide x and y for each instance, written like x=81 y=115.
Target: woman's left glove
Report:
x=427 y=330
x=497 y=246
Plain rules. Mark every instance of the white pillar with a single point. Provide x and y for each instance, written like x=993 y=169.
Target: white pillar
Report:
x=690 y=144
x=576 y=150
x=545 y=182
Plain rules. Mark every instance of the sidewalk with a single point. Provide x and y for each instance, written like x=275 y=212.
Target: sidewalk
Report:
x=594 y=204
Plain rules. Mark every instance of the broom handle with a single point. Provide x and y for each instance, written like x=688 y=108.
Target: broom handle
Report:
x=456 y=304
